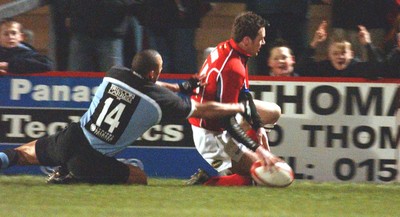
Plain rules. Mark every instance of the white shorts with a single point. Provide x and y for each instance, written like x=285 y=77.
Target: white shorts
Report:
x=217 y=148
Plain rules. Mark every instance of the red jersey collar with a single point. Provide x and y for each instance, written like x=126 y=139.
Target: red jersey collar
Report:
x=236 y=47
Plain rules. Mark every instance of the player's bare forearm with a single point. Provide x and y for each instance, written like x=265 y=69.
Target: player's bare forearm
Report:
x=174 y=87
x=263 y=138
x=185 y=87
x=213 y=110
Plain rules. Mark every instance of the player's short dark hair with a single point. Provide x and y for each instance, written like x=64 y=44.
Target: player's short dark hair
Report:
x=247 y=24
x=145 y=61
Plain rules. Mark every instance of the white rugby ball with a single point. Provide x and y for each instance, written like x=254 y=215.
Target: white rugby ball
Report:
x=279 y=174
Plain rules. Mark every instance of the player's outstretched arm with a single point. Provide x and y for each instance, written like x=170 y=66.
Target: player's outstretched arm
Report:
x=254 y=119
x=185 y=87
x=235 y=130
x=174 y=87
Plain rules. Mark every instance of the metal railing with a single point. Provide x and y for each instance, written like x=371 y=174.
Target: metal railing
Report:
x=18 y=7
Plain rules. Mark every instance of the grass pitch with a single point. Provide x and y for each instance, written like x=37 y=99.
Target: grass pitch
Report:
x=28 y=196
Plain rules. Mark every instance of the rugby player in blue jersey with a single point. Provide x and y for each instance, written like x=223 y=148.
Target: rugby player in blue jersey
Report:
x=127 y=103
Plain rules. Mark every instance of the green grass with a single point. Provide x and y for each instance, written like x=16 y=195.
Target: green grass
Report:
x=27 y=196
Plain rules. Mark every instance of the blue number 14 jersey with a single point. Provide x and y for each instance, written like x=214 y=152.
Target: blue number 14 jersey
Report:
x=124 y=107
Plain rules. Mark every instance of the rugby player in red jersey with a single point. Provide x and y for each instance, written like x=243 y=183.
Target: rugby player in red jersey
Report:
x=226 y=77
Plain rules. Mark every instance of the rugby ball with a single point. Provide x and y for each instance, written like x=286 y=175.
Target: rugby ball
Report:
x=280 y=174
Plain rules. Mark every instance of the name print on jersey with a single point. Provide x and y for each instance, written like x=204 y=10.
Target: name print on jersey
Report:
x=121 y=93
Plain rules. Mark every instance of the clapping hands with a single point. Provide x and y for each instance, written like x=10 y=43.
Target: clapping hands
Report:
x=364 y=36
x=320 y=35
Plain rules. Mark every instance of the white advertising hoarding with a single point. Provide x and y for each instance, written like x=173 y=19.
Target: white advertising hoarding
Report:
x=336 y=131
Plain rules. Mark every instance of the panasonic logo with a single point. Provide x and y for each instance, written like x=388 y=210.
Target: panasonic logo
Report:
x=40 y=92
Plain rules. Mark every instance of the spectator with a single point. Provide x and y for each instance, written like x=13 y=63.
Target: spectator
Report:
x=392 y=45
x=288 y=19
x=391 y=36
x=281 y=60
x=97 y=31
x=17 y=56
x=60 y=34
x=392 y=63
x=133 y=40
x=170 y=26
x=348 y=15
x=341 y=61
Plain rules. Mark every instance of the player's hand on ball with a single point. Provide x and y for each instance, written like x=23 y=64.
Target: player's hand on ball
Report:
x=263 y=138
x=267 y=158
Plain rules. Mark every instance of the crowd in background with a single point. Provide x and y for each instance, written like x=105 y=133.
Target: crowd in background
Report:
x=362 y=35
x=109 y=33
x=96 y=35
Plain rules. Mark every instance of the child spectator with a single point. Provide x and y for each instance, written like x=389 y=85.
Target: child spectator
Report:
x=348 y=15
x=341 y=61
x=281 y=60
x=17 y=56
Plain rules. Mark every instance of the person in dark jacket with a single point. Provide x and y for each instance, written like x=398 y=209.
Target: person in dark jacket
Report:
x=170 y=26
x=341 y=60
x=97 y=31
x=17 y=56
x=392 y=61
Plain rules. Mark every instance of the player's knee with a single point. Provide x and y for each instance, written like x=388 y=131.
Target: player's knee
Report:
x=276 y=113
x=136 y=176
x=270 y=114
